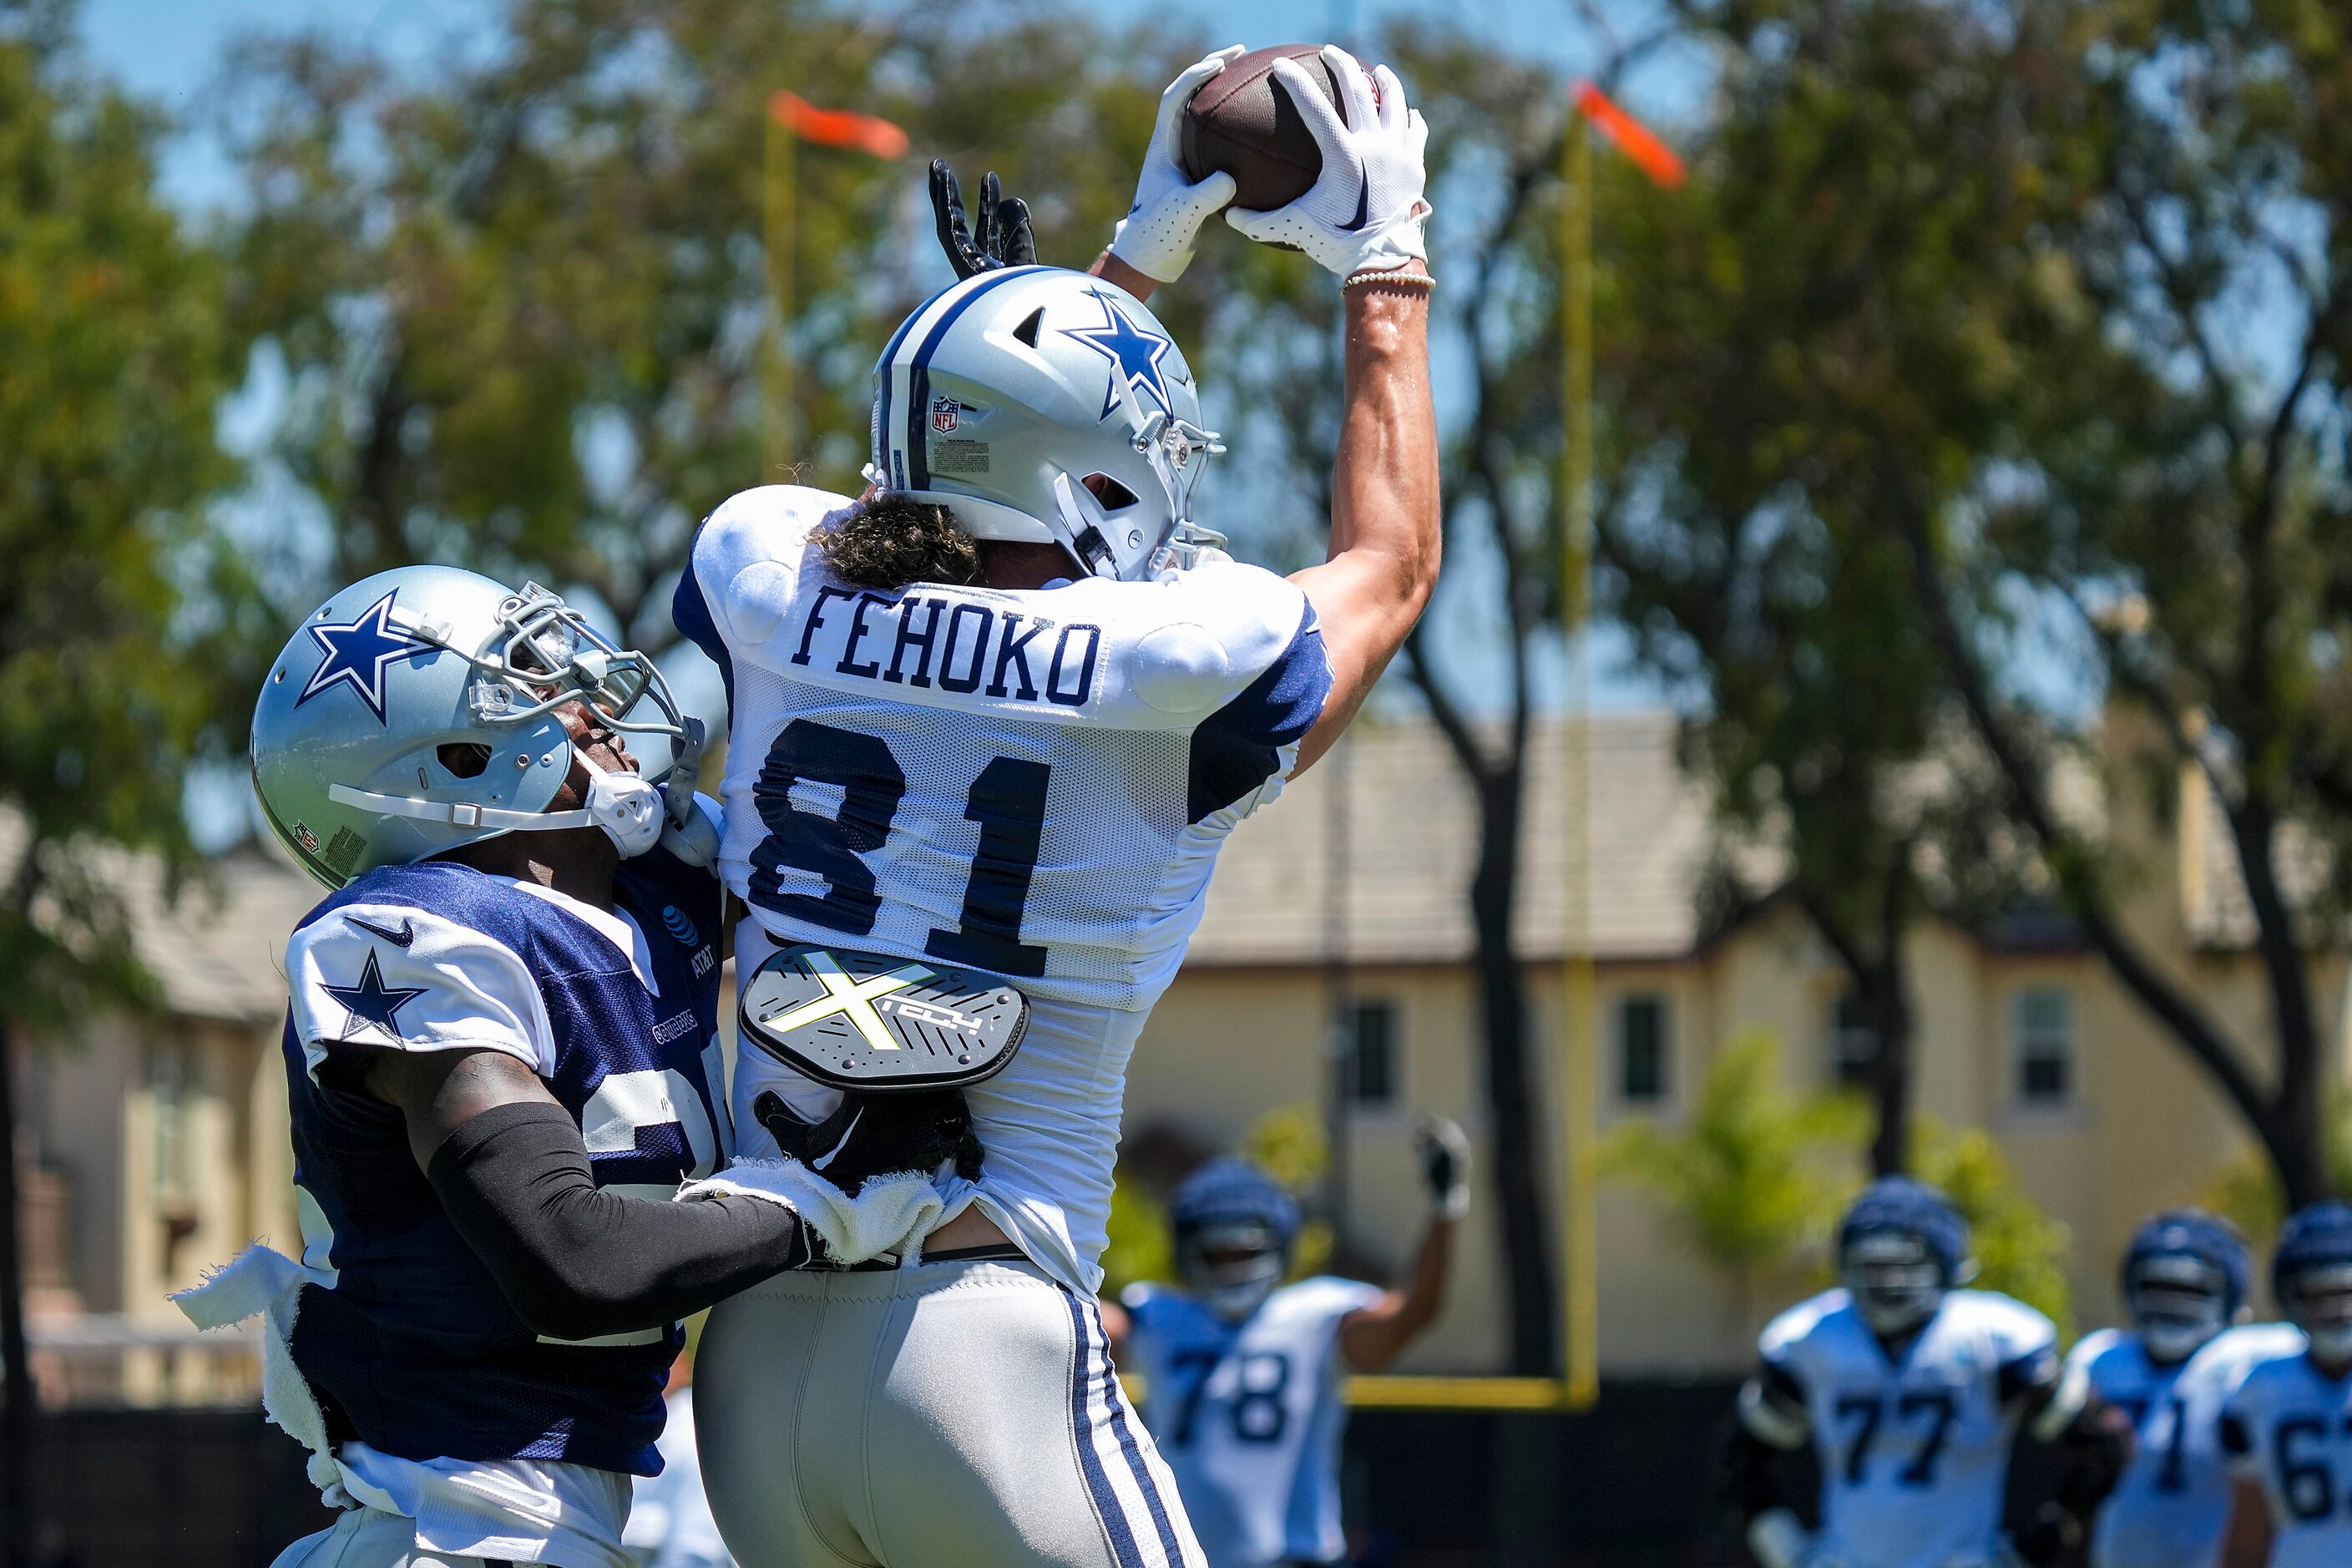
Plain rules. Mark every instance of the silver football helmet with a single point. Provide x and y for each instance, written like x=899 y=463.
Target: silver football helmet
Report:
x=1047 y=406
x=416 y=711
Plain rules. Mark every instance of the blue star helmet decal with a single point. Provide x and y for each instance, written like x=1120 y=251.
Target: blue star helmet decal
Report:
x=1134 y=355
x=359 y=652
x=372 y=1005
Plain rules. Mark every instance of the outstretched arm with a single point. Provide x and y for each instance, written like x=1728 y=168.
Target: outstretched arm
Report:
x=2246 y=1543
x=1372 y=1337
x=512 y=1173
x=1384 y=522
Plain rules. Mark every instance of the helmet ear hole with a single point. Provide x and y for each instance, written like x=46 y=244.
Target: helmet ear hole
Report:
x=1113 y=495
x=465 y=759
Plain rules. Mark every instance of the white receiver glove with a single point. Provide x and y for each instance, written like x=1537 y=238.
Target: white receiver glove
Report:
x=1156 y=236
x=1364 y=212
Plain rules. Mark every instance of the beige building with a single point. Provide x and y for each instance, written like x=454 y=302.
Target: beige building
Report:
x=158 y=1146
x=1365 y=861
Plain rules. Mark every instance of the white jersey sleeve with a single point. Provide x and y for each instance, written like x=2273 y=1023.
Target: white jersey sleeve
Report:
x=394 y=976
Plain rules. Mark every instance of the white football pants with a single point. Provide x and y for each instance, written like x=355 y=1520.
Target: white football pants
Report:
x=957 y=1414
x=368 y=1537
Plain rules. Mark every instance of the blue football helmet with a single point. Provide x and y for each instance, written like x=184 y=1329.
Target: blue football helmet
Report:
x=2184 y=1280
x=1900 y=1247
x=419 y=709
x=1234 y=1230
x=2311 y=1274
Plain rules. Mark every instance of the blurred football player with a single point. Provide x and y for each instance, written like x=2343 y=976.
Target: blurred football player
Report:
x=2184 y=1282
x=502 y=1059
x=992 y=721
x=2288 y=1425
x=1913 y=1392
x=1243 y=1373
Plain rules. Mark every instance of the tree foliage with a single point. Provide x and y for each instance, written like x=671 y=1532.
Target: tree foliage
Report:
x=1986 y=324
x=1756 y=1178
x=518 y=305
x=112 y=675
x=2020 y=1251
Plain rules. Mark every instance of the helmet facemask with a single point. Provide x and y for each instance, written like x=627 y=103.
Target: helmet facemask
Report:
x=542 y=656
x=2178 y=1302
x=1895 y=1278
x=1232 y=1266
x=2320 y=1302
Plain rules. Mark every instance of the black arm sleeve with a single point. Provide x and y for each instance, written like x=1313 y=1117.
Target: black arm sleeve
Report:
x=576 y=1263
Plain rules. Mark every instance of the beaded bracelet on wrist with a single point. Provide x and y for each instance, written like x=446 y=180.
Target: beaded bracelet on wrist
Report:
x=1397 y=278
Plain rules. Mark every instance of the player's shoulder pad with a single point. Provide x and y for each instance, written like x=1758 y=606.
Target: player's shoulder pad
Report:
x=2006 y=1325
x=1786 y=1335
x=1189 y=644
x=2250 y=1354
x=1326 y=1296
x=2223 y=1362
x=2095 y=1347
x=747 y=560
x=385 y=964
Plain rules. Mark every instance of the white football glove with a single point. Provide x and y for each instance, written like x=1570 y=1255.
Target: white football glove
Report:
x=1364 y=212
x=1156 y=236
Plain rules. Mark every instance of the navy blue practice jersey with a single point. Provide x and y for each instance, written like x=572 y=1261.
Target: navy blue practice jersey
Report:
x=411 y=1347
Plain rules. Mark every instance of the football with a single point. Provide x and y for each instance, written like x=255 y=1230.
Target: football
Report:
x=1242 y=120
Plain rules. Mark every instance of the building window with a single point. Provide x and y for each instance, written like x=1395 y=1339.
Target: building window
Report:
x=1853 y=1042
x=1373 y=1049
x=171 y=1096
x=2044 y=1021
x=1641 y=1047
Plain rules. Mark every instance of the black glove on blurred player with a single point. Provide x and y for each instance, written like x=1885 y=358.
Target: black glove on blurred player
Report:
x=1003 y=238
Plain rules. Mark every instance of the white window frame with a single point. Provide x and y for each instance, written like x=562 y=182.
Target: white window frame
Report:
x=1840 y=1031
x=2027 y=1042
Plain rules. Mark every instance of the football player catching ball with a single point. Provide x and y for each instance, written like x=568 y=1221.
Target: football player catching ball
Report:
x=991 y=722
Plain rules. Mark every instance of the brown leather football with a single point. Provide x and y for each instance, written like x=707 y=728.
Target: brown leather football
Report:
x=1242 y=120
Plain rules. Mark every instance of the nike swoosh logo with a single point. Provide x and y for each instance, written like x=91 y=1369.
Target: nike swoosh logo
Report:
x=847 y=1133
x=400 y=937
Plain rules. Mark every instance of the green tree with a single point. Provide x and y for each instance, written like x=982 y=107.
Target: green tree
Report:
x=1755 y=1179
x=2020 y=1251
x=112 y=676
x=2047 y=295
x=520 y=302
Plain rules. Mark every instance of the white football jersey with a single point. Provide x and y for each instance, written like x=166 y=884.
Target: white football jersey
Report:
x=1248 y=1416
x=2289 y=1427
x=1914 y=1449
x=2173 y=1503
x=1031 y=783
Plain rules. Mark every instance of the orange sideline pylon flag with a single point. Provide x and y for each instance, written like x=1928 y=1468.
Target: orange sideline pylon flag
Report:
x=837 y=127
x=1630 y=136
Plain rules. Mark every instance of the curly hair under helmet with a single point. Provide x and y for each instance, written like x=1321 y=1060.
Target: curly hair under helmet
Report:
x=888 y=540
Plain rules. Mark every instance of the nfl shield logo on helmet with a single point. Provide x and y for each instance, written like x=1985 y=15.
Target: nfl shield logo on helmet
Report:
x=943 y=414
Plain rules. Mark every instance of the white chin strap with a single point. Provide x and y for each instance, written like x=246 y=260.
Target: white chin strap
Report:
x=626 y=806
